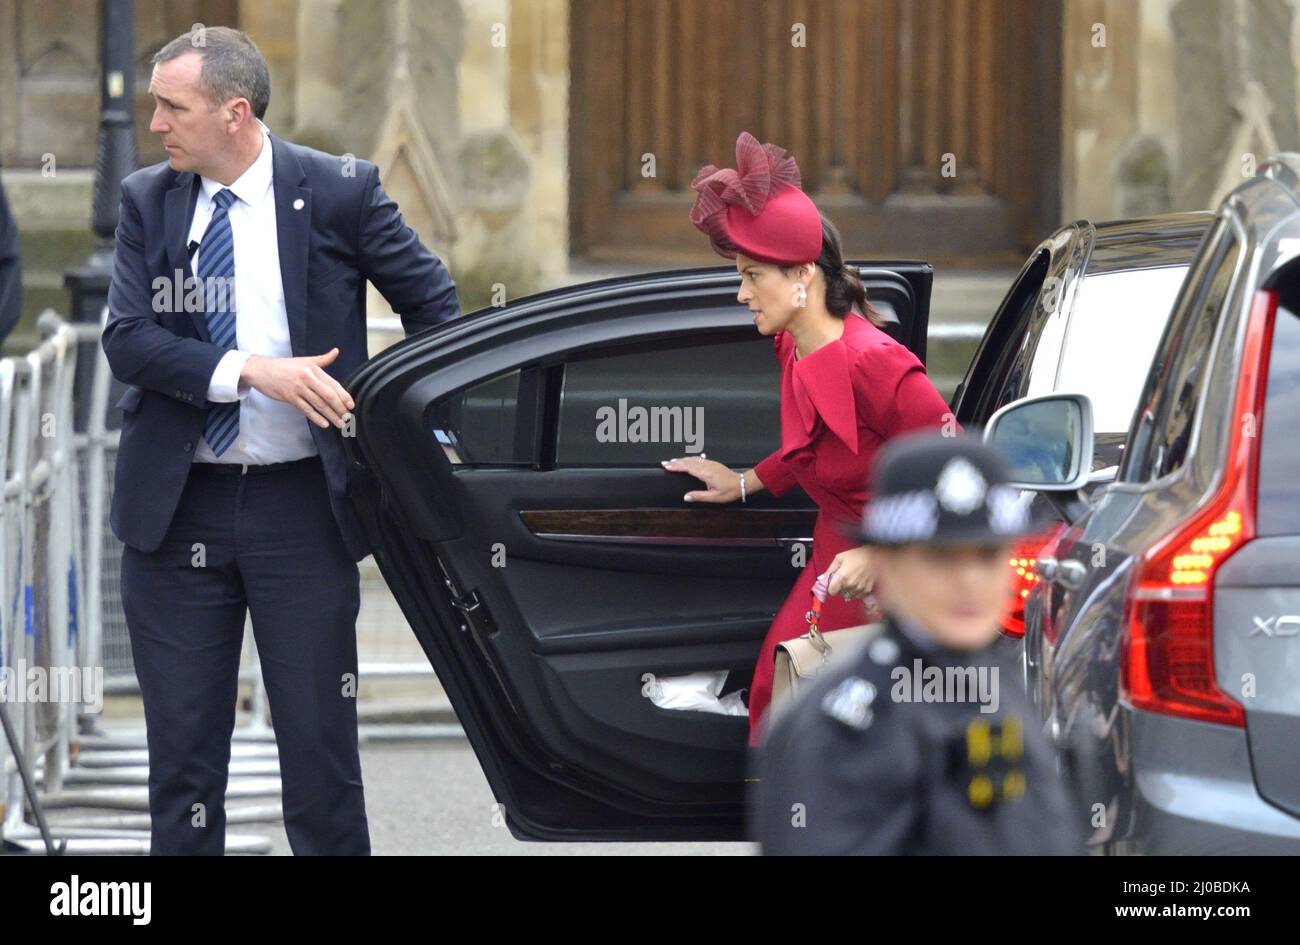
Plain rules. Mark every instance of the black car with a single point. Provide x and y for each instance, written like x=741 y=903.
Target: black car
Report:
x=551 y=573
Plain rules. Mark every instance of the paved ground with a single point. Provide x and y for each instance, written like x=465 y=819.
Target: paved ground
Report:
x=428 y=798
x=422 y=797
x=425 y=796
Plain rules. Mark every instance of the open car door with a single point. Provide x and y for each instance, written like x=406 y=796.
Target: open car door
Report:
x=506 y=467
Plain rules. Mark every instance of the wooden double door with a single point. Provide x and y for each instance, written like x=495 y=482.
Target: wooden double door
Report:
x=923 y=128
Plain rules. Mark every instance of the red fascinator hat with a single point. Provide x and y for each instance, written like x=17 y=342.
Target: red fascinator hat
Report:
x=758 y=208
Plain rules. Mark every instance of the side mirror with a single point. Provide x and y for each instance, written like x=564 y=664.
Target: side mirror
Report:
x=1047 y=441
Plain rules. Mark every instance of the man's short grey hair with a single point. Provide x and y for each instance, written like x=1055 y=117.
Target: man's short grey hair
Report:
x=233 y=66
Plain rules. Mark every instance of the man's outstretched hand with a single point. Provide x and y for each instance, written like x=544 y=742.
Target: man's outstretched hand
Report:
x=301 y=382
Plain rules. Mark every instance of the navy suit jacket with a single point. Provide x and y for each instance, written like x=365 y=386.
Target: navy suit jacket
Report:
x=10 y=274
x=347 y=231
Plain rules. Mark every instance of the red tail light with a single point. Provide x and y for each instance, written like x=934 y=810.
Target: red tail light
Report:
x=1167 y=665
x=1024 y=558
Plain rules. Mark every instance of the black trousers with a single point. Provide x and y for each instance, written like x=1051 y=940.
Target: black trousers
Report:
x=267 y=542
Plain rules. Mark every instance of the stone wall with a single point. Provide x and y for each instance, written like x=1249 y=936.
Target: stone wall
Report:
x=463 y=104
x=1169 y=104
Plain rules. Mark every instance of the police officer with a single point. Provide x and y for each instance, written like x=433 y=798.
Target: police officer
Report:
x=923 y=742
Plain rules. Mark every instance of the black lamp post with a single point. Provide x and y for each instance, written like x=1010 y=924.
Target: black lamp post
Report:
x=114 y=159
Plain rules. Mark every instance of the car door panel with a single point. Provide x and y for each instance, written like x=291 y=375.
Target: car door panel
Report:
x=549 y=587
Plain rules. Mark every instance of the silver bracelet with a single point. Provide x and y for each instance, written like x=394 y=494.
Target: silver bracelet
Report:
x=742 y=487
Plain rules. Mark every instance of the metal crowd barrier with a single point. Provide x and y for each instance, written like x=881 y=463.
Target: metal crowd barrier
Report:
x=63 y=641
x=41 y=653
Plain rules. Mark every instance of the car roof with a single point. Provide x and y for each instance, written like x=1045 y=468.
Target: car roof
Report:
x=1267 y=208
x=1168 y=239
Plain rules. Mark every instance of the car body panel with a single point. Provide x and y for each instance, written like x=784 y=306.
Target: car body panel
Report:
x=1257 y=639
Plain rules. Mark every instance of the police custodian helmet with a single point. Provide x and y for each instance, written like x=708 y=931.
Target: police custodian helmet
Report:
x=942 y=490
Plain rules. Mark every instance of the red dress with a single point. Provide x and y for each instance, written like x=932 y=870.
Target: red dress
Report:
x=838 y=407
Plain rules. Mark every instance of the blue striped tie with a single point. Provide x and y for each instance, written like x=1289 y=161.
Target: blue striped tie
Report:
x=216 y=273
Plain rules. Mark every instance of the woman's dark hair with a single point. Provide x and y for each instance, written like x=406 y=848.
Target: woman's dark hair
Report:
x=844 y=289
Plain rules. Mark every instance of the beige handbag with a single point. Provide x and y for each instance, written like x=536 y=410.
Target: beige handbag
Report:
x=799 y=660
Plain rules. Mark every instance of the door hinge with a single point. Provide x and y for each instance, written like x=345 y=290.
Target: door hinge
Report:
x=477 y=624
x=472 y=612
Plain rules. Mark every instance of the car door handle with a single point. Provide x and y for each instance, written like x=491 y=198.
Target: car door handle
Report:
x=1070 y=574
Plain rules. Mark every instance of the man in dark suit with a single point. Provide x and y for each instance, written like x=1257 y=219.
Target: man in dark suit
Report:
x=11 y=289
x=237 y=306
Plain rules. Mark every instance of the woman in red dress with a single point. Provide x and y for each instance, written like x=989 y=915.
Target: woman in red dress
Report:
x=846 y=386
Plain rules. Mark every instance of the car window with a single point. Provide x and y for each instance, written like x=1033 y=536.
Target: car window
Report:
x=1040 y=372
x=636 y=407
x=1115 y=324
x=1181 y=367
x=1278 y=499
x=480 y=425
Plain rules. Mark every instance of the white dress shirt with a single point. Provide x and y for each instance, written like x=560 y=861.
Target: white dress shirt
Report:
x=270 y=431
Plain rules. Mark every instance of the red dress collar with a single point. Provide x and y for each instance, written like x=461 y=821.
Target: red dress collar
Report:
x=821 y=385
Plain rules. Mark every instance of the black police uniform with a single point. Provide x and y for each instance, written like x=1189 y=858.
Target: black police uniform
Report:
x=849 y=769
x=879 y=755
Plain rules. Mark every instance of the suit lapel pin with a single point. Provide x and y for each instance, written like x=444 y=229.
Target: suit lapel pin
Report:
x=297 y=204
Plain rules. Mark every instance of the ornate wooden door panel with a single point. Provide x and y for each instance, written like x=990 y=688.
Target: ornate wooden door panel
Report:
x=922 y=127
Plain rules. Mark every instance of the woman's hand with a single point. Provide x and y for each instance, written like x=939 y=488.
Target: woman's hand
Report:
x=723 y=483
x=851 y=574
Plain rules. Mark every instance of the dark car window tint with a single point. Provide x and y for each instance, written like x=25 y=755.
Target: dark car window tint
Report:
x=1002 y=370
x=480 y=424
x=1031 y=360
x=1278 y=501
x=635 y=408
x=1182 y=367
